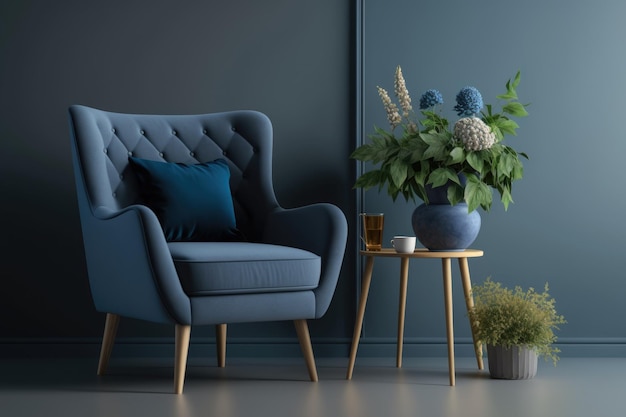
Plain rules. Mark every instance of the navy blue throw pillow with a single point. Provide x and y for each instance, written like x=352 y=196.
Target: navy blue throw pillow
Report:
x=192 y=202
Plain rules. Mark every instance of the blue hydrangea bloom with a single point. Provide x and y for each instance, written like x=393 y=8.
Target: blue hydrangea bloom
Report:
x=468 y=102
x=430 y=98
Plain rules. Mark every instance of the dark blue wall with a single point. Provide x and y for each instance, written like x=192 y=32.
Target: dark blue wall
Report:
x=567 y=224
x=292 y=60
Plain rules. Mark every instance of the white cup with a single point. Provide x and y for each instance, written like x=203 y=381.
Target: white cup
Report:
x=403 y=244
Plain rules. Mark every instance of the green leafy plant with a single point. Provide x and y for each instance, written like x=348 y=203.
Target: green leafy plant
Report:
x=504 y=317
x=426 y=152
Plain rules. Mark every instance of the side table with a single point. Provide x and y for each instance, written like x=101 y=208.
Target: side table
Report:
x=404 y=274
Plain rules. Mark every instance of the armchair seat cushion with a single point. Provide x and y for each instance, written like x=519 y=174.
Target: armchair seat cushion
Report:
x=216 y=268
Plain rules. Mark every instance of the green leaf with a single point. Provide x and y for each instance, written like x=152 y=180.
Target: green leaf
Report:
x=417 y=147
x=382 y=148
x=507 y=126
x=511 y=87
x=363 y=153
x=517 y=79
x=478 y=194
x=515 y=109
x=455 y=194
x=518 y=171
x=475 y=160
x=431 y=138
x=441 y=176
x=383 y=133
x=506 y=198
x=457 y=155
x=510 y=95
x=434 y=121
x=436 y=146
x=369 y=179
x=505 y=165
x=497 y=132
x=398 y=172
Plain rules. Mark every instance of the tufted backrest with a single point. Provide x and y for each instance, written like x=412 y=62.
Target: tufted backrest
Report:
x=104 y=140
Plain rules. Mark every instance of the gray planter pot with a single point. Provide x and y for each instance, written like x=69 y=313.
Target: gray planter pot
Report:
x=516 y=362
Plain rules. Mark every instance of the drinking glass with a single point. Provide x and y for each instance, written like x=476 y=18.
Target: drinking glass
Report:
x=373 y=230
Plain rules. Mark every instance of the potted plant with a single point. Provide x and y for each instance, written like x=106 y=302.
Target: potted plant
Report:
x=517 y=326
x=422 y=155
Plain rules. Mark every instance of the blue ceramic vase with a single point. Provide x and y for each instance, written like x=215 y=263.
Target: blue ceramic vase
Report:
x=440 y=226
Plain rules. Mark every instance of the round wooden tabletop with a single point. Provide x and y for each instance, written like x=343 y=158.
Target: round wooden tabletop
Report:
x=424 y=253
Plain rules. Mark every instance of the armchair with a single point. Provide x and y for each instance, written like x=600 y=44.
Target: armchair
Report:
x=270 y=264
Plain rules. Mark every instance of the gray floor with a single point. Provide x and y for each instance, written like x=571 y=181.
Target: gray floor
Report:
x=279 y=387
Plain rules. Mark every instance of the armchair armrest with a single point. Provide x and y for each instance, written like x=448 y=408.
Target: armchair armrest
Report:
x=129 y=243
x=319 y=228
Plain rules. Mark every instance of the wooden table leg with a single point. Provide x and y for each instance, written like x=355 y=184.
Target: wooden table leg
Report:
x=404 y=278
x=469 y=303
x=358 y=325
x=447 y=290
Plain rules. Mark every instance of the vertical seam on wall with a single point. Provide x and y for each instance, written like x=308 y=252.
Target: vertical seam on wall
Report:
x=359 y=20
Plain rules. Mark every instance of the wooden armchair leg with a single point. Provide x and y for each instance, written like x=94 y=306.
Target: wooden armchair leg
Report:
x=110 y=330
x=180 y=364
x=220 y=340
x=307 y=350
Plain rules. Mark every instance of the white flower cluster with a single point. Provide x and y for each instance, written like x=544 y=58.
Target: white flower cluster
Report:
x=393 y=116
x=474 y=134
x=402 y=93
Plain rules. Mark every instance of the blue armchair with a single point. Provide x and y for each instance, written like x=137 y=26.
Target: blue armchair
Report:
x=166 y=241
